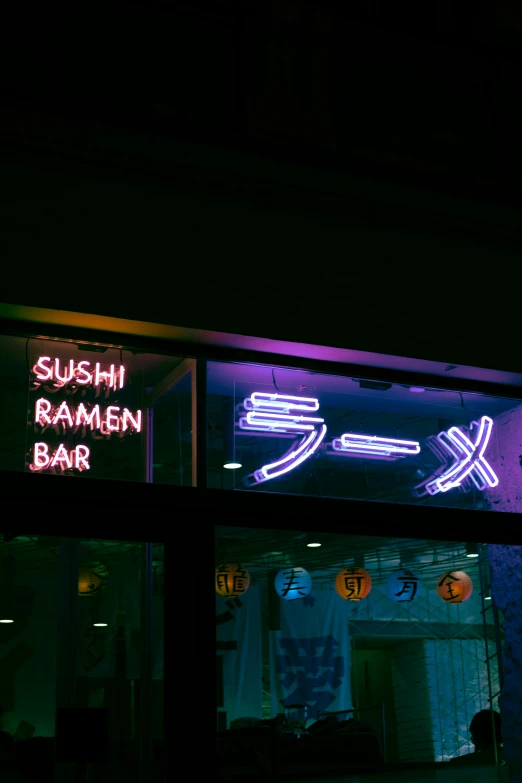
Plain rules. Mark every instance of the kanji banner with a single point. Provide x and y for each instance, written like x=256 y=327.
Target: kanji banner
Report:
x=239 y=651
x=310 y=655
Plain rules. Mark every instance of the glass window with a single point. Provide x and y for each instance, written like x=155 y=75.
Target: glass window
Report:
x=296 y=432
x=91 y=411
x=108 y=651
x=339 y=651
x=29 y=607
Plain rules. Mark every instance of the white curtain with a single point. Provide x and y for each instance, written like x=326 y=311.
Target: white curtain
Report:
x=310 y=655
x=238 y=636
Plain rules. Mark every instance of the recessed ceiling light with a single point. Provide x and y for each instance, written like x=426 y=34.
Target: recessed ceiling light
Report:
x=232 y=465
x=312 y=545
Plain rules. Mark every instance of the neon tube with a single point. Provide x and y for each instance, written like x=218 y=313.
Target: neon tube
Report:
x=469 y=462
x=283 y=414
x=306 y=448
x=373 y=444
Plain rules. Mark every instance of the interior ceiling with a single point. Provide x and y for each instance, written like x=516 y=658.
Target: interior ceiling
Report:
x=42 y=551
x=339 y=392
x=263 y=550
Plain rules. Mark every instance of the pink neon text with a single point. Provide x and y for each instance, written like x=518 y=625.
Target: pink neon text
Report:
x=84 y=373
x=77 y=458
x=114 y=419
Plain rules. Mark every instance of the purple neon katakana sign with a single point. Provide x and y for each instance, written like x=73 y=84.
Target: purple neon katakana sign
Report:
x=461 y=457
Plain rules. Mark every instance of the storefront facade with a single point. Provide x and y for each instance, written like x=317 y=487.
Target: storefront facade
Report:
x=243 y=456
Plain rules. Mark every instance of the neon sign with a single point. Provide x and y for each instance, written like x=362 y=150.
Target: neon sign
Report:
x=286 y=415
x=47 y=369
x=76 y=417
x=467 y=459
x=282 y=414
x=373 y=445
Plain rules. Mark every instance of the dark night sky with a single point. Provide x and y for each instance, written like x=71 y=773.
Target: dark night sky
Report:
x=367 y=162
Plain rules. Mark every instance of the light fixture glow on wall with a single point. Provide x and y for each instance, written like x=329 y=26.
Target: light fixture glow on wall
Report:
x=230 y=462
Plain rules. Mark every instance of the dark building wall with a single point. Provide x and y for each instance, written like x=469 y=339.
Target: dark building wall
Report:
x=360 y=246
x=225 y=261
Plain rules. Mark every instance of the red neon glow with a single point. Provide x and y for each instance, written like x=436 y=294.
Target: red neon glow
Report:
x=136 y=422
x=113 y=417
x=77 y=458
x=40 y=365
x=41 y=455
x=47 y=369
x=81 y=455
x=110 y=421
x=67 y=377
x=87 y=375
x=92 y=418
x=103 y=375
x=43 y=408
x=60 y=456
x=63 y=412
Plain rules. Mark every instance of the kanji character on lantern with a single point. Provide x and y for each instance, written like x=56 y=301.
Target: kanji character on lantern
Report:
x=232 y=579
x=353 y=583
x=454 y=587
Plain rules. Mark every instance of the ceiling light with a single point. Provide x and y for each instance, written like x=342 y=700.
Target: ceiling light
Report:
x=100 y=625
x=313 y=545
x=6 y=621
x=232 y=465
x=487 y=598
x=472 y=550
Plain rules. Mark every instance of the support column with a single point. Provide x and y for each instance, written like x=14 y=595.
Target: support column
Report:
x=506 y=590
x=65 y=652
x=505 y=562
x=146 y=754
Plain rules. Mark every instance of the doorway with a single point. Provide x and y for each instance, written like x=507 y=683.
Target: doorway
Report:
x=372 y=687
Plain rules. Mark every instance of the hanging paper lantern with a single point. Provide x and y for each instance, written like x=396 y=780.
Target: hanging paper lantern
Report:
x=292 y=583
x=232 y=580
x=454 y=587
x=92 y=578
x=403 y=585
x=353 y=583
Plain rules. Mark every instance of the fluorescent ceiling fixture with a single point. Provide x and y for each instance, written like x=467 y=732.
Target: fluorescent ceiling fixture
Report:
x=487 y=598
x=232 y=465
x=312 y=545
x=6 y=621
x=100 y=625
x=472 y=554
